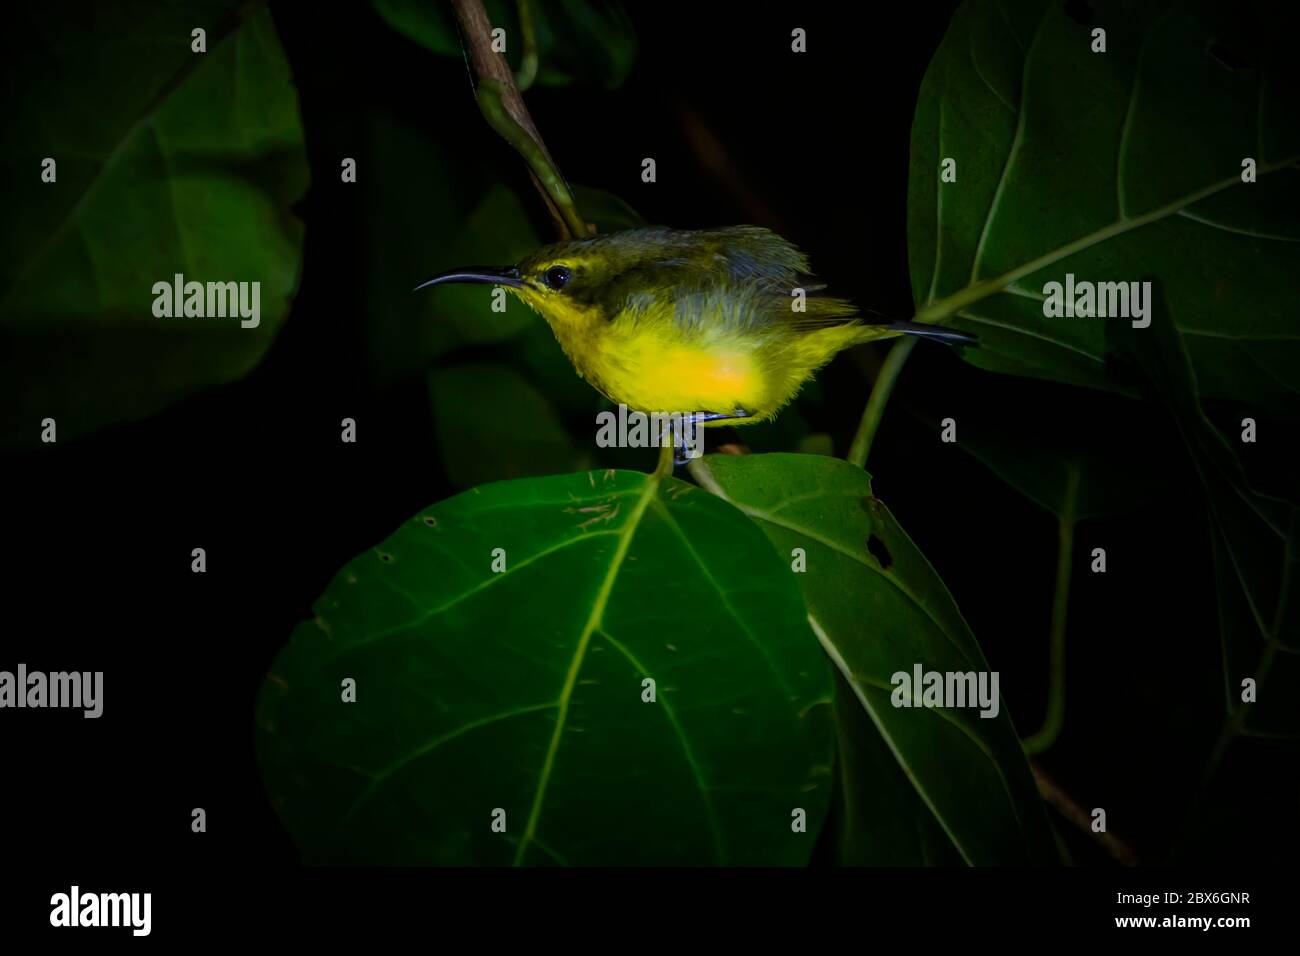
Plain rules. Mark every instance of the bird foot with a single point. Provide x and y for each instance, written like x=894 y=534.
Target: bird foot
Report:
x=681 y=455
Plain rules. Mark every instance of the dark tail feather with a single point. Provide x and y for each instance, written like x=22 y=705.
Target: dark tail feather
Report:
x=939 y=332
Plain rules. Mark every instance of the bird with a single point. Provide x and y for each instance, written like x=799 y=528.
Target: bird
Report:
x=722 y=325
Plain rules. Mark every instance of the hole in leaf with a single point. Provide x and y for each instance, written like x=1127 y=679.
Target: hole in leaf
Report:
x=879 y=552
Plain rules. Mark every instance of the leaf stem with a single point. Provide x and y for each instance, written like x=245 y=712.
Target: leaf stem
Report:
x=528 y=64
x=665 y=467
x=503 y=107
x=1040 y=741
x=491 y=102
x=875 y=409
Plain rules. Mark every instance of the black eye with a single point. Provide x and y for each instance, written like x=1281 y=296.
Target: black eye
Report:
x=557 y=276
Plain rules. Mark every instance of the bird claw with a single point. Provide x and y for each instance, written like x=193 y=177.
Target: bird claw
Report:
x=680 y=457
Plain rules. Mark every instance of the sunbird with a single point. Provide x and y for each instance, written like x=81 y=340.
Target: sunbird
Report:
x=723 y=326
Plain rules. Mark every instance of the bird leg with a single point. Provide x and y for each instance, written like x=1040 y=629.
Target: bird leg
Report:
x=680 y=457
x=719 y=416
x=689 y=422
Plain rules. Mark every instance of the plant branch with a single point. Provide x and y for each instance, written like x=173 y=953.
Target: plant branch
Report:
x=492 y=100
x=503 y=107
x=1119 y=850
x=1046 y=735
x=875 y=409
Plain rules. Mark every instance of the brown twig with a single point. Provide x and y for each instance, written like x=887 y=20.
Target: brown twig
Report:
x=1119 y=850
x=503 y=107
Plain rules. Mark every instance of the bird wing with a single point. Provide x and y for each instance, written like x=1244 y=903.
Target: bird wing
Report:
x=780 y=307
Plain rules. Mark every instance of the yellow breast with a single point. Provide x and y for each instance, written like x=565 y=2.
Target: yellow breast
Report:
x=650 y=363
x=651 y=371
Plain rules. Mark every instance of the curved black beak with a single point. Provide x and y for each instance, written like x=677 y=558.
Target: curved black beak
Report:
x=484 y=275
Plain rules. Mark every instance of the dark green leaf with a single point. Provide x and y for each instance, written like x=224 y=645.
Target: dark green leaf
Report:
x=433 y=25
x=586 y=41
x=878 y=608
x=1112 y=166
x=877 y=816
x=1249 y=652
x=168 y=161
x=1074 y=470
x=1252 y=534
x=605 y=210
x=470 y=404
x=522 y=690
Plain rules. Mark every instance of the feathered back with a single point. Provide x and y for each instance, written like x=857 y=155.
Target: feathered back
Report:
x=739 y=277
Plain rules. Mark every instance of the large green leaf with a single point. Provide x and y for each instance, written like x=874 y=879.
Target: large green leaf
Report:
x=878 y=608
x=1112 y=166
x=1253 y=538
x=577 y=40
x=168 y=161
x=522 y=689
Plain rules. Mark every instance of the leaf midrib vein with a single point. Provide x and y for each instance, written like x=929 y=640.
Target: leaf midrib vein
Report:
x=593 y=622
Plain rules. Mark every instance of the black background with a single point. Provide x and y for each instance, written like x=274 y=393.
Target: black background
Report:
x=97 y=532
